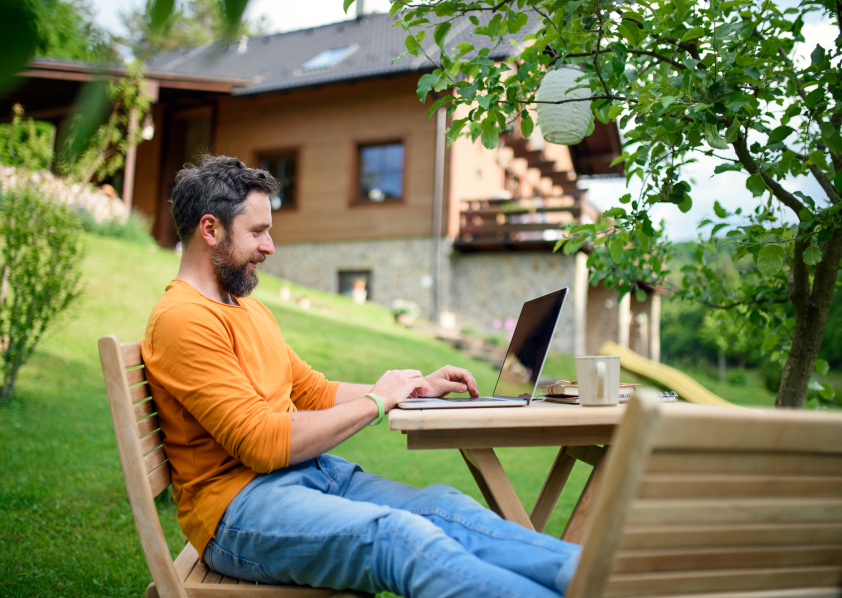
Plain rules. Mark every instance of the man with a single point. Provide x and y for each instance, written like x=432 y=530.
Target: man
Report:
x=247 y=424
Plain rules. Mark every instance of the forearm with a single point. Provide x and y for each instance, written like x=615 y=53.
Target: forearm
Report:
x=346 y=392
x=316 y=432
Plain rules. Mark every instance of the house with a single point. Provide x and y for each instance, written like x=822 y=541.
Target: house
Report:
x=370 y=191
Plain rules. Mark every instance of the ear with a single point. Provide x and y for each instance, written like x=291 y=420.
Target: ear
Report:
x=210 y=230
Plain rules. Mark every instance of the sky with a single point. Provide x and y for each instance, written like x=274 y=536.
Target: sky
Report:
x=727 y=188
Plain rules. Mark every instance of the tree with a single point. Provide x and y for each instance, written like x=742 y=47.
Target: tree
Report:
x=67 y=29
x=40 y=259
x=718 y=77
x=193 y=23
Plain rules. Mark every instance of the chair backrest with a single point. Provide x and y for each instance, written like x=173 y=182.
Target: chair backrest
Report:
x=140 y=443
x=717 y=502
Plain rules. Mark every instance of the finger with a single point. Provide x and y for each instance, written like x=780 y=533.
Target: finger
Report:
x=465 y=377
x=448 y=387
x=411 y=373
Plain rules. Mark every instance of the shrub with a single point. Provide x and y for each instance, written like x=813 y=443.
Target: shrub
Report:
x=771 y=372
x=40 y=264
x=135 y=229
x=25 y=142
x=737 y=377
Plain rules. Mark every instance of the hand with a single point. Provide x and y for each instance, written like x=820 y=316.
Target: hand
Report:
x=396 y=385
x=450 y=379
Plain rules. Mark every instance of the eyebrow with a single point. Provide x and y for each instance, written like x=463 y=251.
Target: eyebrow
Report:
x=261 y=227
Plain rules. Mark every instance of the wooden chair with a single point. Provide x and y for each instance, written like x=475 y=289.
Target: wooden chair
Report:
x=147 y=474
x=711 y=502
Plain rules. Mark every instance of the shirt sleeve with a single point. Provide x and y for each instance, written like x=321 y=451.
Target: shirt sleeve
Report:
x=310 y=389
x=207 y=379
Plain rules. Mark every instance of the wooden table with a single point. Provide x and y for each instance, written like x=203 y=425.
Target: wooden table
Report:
x=580 y=432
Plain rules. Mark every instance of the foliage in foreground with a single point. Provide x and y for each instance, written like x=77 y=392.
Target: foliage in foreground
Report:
x=679 y=77
x=26 y=143
x=39 y=262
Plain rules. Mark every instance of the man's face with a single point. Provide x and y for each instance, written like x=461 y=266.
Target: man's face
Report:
x=247 y=244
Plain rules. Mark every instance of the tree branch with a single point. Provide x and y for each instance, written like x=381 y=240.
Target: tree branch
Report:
x=588 y=99
x=825 y=183
x=660 y=57
x=784 y=196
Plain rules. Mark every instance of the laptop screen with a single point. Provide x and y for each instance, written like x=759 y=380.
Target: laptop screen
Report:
x=529 y=345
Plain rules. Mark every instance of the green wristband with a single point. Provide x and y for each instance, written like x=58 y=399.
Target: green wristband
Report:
x=380 y=408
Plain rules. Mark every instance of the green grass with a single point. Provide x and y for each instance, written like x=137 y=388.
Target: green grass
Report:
x=65 y=524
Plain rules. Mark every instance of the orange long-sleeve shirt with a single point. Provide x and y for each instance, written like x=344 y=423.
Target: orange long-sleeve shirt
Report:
x=224 y=382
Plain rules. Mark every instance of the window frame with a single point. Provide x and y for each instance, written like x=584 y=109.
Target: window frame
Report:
x=285 y=151
x=356 y=199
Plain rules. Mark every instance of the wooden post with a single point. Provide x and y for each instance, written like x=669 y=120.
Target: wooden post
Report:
x=131 y=158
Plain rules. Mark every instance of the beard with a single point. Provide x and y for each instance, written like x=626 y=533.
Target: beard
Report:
x=234 y=276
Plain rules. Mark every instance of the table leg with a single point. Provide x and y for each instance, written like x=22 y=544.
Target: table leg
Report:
x=551 y=490
x=495 y=485
x=581 y=513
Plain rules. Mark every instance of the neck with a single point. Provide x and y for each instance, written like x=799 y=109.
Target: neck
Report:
x=197 y=270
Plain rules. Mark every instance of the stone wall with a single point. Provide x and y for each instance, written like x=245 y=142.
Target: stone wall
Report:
x=400 y=268
x=493 y=286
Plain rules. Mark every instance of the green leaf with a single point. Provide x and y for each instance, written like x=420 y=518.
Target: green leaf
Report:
x=780 y=133
x=693 y=33
x=616 y=247
x=667 y=101
x=817 y=157
x=627 y=198
x=812 y=255
x=526 y=124
x=770 y=259
x=756 y=185
x=834 y=144
x=411 y=45
x=425 y=84
x=686 y=204
x=440 y=34
x=490 y=134
x=822 y=367
x=640 y=295
x=613 y=213
x=753 y=72
x=160 y=12
x=719 y=210
x=818 y=55
x=346 y=5
x=770 y=343
x=393 y=10
x=713 y=138
x=630 y=31
x=837 y=181
x=739 y=253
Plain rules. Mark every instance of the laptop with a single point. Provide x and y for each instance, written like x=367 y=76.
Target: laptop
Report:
x=524 y=359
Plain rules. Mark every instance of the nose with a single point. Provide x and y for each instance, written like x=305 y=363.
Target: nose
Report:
x=267 y=246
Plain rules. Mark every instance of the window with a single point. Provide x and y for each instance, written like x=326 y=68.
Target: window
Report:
x=381 y=172
x=329 y=58
x=282 y=166
x=356 y=285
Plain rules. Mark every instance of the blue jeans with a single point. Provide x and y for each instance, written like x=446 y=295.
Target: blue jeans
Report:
x=326 y=523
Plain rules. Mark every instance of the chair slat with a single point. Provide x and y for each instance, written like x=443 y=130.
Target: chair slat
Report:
x=736 y=510
x=151 y=442
x=196 y=590
x=131 y=354
x=676 y=485
x=197 y=575
x=160 y=478
x=139 y=392
x=672 y=559
x=186 y=560
x=745 y=462
x=679 y=536
x=212 y=577
x=705 y=428
x=144 y=410
x=154 y=459
x=229 y=581
x=145 y=426
x=136 y=375
x=659 y=584
x=786 y=593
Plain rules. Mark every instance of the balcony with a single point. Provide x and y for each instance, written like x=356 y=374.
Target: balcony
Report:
x=518 y=225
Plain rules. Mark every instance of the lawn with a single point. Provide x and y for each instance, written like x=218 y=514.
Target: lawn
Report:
x=65 y=524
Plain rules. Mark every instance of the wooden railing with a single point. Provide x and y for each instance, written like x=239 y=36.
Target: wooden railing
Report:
x=487 y=224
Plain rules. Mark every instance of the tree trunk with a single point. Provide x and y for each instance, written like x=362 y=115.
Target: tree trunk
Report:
x=811 y=311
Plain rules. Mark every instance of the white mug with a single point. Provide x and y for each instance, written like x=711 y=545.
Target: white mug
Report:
x=598 y=380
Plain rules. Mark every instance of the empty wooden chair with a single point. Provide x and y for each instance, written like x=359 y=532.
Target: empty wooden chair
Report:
x=147 y=474
x=709 y=502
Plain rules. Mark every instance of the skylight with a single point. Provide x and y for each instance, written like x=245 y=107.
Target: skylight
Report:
x=329 y=58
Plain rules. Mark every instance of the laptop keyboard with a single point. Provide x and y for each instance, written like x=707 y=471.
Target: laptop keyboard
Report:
x=471 y=399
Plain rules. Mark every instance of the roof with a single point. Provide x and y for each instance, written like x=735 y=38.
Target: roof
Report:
x=277 y=62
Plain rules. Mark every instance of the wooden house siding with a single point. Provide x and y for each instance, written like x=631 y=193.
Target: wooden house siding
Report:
x=326 y=126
